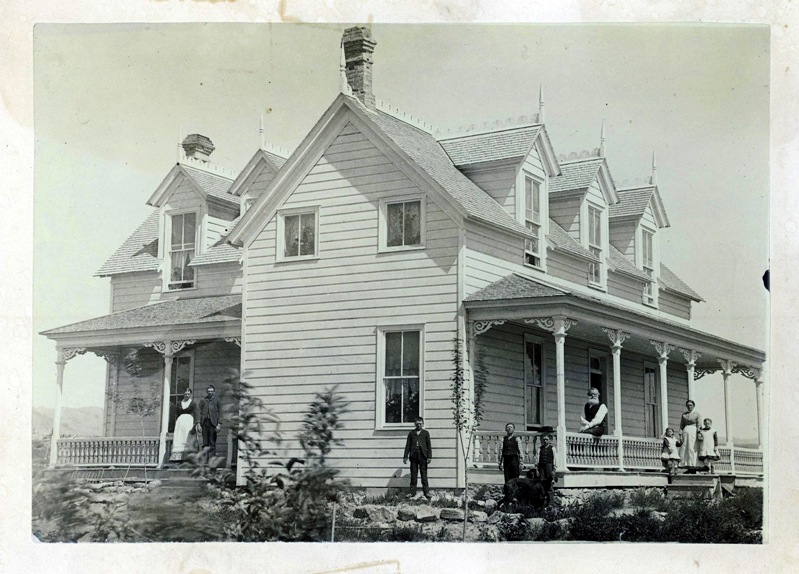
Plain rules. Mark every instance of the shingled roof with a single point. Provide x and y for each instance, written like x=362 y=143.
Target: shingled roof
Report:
x=274 y=158
x=221 y=252
x=619 y=263
x=212 y=184
x=514 y=287
x=493 y=146
x=565 y=242
x=576 y=175
x=631 y=202
x=170 y=313
x=426 y=152
x=139 y=252
x=669 y=280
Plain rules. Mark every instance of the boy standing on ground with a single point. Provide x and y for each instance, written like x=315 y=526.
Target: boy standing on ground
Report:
x=546 y=465
x=420 y=452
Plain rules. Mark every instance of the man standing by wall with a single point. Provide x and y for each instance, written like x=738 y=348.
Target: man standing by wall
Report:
x=210 y=422
x=420 y=452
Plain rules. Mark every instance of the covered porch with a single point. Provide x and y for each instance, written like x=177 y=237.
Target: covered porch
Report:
x=541 y=348
x=152 y=354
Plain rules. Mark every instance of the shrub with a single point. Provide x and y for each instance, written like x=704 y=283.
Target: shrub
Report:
x=748 y=503
x=708 y=522
x=648 y=498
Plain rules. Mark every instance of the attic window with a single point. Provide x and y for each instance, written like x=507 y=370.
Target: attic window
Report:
x=595 y=245
x=181 y=250
x=532 y=218
x=648 y=264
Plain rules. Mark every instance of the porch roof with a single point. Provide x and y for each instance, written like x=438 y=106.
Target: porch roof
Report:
x=516 y=298
x=225 y=309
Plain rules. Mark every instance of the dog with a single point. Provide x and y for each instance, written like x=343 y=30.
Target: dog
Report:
x=529 y=490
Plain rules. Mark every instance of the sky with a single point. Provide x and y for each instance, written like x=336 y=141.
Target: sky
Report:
x=112 y=101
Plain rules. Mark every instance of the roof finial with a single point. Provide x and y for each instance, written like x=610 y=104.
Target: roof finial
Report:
x=541 y=103
x=180 y=144
x=602 y=140
x=261 y=140
x=653 y=179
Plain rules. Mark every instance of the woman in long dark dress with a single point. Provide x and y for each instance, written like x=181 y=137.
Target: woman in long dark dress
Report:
x=184 y=438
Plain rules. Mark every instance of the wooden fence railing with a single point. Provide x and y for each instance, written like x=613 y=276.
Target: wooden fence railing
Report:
x=105 y=451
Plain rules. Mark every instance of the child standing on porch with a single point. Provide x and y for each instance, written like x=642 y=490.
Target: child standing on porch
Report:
x=669 y=454
x=708 y=440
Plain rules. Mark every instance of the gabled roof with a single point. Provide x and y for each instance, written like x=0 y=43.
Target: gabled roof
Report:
x=261 y=157
x=221 y=252
x=425 y=158
x=512 y=143
x=578 y=174
x=514 y=287
x=205 y=183
x=139 y=252
x=563 y=241
x=669 y=280
x=634 y=201
x=173 y=312
x=620 y=264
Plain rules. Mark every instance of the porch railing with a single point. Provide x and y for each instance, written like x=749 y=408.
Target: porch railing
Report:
x=586 y=452
x=104 y=451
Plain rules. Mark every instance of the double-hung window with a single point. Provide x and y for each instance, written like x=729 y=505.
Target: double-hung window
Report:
x=181 y=250
x=402 y=224
x=648 y=263
x=651 y=401
x=533 y=383
x=532 y=219
x=595 y=244
x=402 y=372
x=181 y=379
x=298 y=235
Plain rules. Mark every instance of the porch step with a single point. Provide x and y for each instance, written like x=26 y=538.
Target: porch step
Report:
x=687 y=486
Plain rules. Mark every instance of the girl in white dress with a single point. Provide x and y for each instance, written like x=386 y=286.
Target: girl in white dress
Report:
x=708 y=445
x=670 y=454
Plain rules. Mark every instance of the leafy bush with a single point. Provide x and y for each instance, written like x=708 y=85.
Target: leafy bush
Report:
x=709 y=522
x=748 y=504
x=648 y=498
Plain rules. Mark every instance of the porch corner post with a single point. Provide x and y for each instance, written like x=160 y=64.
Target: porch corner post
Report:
x=559 y=327
x=663 y=349
x=691 y=357
x=727 y=368
x=60 y=363
x=165 y=403
x=617 y=337
x=761 y=429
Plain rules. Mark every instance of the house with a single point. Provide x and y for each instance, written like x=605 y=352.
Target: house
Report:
x=359 y=261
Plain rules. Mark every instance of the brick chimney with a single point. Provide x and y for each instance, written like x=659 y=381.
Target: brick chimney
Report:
x=198 y=147
x=358 y=49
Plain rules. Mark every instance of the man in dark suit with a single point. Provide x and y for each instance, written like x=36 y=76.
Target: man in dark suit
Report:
x=210 y=419
x=420 y=452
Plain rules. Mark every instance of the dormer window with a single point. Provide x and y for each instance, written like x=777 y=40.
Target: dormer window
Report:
x=532 y=219
x=595 y=245
x=183 y=239
x=648 y=264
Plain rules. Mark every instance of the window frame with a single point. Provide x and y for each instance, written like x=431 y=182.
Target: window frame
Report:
x=657 y=431
x=380 y=387
x=282 y=214
x=173 y=383
x=596 y=248
x=383 y=246
x=199 y=222
x=528 y=338
x=538 y=185
x=605 y=371
x=649 y=291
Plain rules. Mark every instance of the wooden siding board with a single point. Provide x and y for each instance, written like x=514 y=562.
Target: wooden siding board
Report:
x=132 y=290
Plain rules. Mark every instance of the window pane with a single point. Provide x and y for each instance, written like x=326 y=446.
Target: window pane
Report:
x=413 y=223
x=308 y=244
x=188 y=272
x=393 y=355
x=394 y=224
x=410 y=408
x=177 y=231
x=394 y=401
x=189 y=221
x=536 y=202
x=291 y=224
x=528 y=198
x=410 y=354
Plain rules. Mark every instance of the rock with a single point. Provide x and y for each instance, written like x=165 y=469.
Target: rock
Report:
x=154 y=484
x=536 y=522
x=491 y=534
x=98 y=485
x=478 y=516
x=626 y=511
x=451 y=514
x=496 y=517
x=426 y=514
x=490 y=506
x=406 y=512
x=380 y=514
x=481 y=503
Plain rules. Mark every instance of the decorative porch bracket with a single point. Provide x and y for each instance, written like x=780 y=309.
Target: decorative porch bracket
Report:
x=756 y=375
x=617 y=338
x=64 y=355
x=168 y=349
x=727 y=369
x=558 y=327
x=480 y=327
x=663 y=349
x=235 y=340
x=691 y=357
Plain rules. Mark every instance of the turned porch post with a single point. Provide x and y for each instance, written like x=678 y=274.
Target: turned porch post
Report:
x=690 y=366
x=727 y=368
x=558 y=327
x=663 y=349
x=64 y=355
x=761 y=428
x=617 y=337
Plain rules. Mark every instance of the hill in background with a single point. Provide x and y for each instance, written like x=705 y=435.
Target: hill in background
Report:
x=83 y=421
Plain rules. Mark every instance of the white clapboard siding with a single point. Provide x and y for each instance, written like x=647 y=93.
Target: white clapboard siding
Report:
x=678 y=390
x=261 y=182
x=218 y=279
x=574 y=269
x=622 y=237
x=625 y=287
x=184 y=197
x=498 y=183
x=674 y=304
x=566 y=213
x=131 y=290
x=313 y=324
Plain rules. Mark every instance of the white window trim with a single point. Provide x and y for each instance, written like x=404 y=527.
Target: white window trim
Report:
x=189 y=353
x=380 y=394
x=639 y=255
x=382 y=241
x=658 y=431
x=165 y=246
x=281 y=235
x=585 y=241
x=606 y=376
x=543 y=225
x=528 y=338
